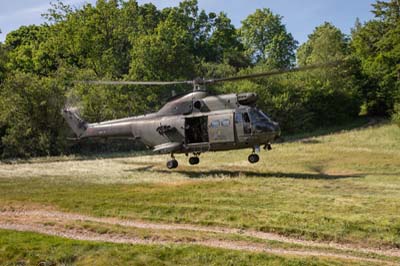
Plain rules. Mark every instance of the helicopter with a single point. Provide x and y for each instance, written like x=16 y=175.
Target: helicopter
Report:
x=192 y=123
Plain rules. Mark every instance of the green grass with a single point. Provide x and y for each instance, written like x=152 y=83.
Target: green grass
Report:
x=343 y=187
x=32 y=249
x=181 y=236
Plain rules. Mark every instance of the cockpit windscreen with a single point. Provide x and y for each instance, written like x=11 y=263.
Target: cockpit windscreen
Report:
x=258 y=115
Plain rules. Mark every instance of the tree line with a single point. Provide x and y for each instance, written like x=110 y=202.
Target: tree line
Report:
x=122 y=40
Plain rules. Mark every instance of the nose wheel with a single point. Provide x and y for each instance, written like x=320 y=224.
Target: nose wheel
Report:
x=254 y=158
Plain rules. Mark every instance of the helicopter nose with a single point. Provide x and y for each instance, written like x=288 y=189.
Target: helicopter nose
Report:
x=269 y=127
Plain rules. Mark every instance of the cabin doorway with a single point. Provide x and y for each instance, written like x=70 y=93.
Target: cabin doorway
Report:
x=196 y=130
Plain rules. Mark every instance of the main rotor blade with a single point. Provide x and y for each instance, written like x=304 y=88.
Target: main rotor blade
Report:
x=270 y=73
x=147 y=83
x=213 y=81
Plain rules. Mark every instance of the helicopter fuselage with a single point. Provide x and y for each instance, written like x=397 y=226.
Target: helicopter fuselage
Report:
x=192 y=123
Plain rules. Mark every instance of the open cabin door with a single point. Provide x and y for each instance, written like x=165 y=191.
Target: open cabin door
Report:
x=196 y=134
x=221 y=129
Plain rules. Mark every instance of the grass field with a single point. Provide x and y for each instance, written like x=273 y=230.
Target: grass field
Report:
x=342 y=188
x=57 y=251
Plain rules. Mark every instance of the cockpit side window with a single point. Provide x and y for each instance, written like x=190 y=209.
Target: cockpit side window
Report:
x=238 y=118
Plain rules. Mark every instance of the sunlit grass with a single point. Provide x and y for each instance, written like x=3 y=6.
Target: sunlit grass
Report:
x=34 y=249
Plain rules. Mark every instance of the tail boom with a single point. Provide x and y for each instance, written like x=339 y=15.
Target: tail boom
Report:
x=109 y=129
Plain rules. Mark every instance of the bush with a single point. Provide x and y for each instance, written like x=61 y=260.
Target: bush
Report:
x=30 y=118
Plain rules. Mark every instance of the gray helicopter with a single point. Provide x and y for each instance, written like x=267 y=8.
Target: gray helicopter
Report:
x=193 y=123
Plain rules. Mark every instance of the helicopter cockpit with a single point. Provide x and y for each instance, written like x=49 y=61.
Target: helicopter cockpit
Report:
x=253 y=121
x=262 y=122
x=258 y=115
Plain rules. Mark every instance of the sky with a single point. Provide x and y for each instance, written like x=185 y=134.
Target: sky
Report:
x=300 y=17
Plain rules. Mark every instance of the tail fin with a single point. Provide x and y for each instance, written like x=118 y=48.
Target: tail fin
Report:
x=77 y=124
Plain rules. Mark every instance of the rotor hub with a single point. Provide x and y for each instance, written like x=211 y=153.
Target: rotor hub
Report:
x=199 y=84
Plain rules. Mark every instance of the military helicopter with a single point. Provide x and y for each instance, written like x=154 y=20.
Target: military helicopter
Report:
x=193 y=123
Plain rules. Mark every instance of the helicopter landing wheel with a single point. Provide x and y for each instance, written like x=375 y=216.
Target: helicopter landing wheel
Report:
x=194 y=160
x=254 y=158
x=172 y=164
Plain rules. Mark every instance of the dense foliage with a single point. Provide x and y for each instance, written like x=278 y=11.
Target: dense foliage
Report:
x=377 y=45
x=266 y=40
x=119 y=40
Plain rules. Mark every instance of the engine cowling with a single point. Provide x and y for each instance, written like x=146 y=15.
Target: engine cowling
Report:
x=249 y=98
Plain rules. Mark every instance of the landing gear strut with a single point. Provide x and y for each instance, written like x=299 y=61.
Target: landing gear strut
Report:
x=173 y=163
x=268 y=147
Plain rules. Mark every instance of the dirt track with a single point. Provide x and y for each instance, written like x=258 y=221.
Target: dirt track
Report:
x=35 y=221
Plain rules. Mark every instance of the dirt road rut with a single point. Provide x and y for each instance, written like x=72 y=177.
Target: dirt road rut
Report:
x=27 y=220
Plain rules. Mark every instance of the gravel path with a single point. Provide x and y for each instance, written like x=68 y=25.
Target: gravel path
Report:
x=27 y=220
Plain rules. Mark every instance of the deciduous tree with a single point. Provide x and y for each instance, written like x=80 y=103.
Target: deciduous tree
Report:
x=266 y=39
x=377 y=45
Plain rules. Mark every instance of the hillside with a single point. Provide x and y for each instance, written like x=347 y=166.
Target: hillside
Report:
x=335 y=197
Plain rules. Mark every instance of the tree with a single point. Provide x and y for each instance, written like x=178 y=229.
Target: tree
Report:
x=224 y=41
x=389 y=12
x=162 y=55
x=23 y=45
x=377 y=45
x=94 y=37
x=212 y=37
x=30 y=116
x=266 y=39
x=330 y=94
x=326 y=44
x=148 y=19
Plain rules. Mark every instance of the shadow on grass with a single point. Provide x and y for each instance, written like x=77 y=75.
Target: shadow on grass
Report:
x=141 y=169
x=236 y=174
